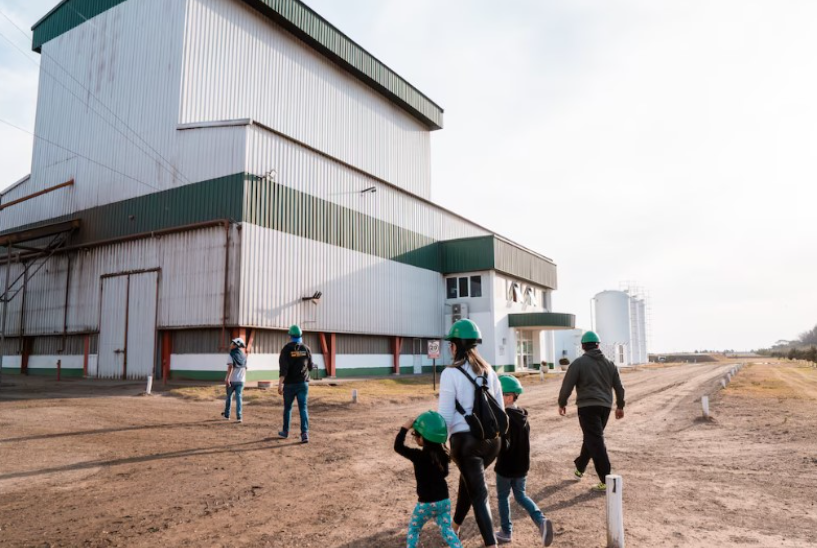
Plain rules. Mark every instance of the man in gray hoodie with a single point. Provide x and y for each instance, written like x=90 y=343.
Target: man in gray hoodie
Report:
x=594 y=377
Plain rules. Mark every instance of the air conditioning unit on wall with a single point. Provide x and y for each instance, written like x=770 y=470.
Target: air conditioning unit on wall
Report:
x=459 y=312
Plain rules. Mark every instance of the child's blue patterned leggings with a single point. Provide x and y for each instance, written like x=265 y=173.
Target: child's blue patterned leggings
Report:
x=441 y=512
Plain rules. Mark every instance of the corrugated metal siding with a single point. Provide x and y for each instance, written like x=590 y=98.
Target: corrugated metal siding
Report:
x=299 y=19
x=11 y=346
x=524 y=264
x=408 y=348
x=198 y=341
x=127 y=60
x=361 y=293
x=71 y=345
x=191 y=284
x=314 y=174
x=316 y=28
x=67 y=15
x=240 y=64
x=467 y=255
x=266 y=341
x=363 y=344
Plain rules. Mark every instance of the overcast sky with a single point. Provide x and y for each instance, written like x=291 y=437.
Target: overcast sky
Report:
x=671 y=143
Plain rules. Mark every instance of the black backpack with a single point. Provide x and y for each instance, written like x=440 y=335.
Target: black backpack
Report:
x=487 y=420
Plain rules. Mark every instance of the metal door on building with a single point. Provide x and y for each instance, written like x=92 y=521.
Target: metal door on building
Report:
x=127 y=325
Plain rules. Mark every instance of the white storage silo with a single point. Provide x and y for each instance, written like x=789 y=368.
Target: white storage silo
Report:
x=642 y=331
x=612 y=312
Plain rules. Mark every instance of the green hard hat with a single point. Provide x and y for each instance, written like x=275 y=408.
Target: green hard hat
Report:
x=510 y=384
x=590 y=337
x=295 y=331
x=431 y=425
x=465 y=330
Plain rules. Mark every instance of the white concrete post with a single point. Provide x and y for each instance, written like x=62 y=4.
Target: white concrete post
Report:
x=150 y=385
x=723 y=383
x=705 y=406
x=354 y=395
x=541 y=374
x=615 y=512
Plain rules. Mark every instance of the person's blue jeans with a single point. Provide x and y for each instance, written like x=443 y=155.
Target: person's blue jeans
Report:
x=238 y=389
x=298 y=390
x=504 y=486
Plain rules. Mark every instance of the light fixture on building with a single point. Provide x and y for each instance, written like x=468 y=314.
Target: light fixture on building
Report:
x=371 y=190
x=314 y=298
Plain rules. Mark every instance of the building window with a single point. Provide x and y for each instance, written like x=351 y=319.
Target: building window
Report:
x=451 y=288
x=463 y=287
x=514 y=292
x=476 y=286
x=530 y=296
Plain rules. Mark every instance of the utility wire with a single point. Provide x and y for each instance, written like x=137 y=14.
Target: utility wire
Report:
x=52 y=143
x=176 y=173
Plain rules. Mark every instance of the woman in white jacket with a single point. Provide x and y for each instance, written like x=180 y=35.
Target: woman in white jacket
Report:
x=472 y=455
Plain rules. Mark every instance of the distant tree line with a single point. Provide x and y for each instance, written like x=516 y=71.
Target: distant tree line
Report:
x=804 y=347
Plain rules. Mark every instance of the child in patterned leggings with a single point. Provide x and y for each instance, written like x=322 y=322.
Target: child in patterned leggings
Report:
x=430 y=470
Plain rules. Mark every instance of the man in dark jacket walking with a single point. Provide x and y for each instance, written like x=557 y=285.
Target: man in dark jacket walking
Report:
x=295 y=363
x=595 y=378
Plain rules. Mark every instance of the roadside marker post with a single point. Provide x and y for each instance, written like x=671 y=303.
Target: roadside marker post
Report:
x=434 y=355
x=723 y=383
x=354 y=395
x=705 y=406
x=149 y=387
x=615 y=512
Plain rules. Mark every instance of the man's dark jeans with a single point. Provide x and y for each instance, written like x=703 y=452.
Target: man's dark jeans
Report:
x=593 y=419
x=291 y=391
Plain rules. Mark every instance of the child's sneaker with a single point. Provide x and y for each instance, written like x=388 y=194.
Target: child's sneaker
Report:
x=600 y=487
x=502 y=537
x=283 y=435
x=240 y=419
x=546 y=531
x=577 y=475
x=304 y=438
x=225 y=416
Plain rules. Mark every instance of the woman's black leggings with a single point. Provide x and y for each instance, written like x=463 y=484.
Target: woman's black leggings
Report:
x=473 y=456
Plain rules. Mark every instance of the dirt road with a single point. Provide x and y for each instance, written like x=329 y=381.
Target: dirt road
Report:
x=87 y=464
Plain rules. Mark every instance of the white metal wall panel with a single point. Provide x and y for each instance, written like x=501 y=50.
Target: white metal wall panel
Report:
x=240 y=64
x=14 y=307
x=312 y=173
x=192 y=288
x=141 y=342
x=126 y=61
x=113 y=322
x=361 y=293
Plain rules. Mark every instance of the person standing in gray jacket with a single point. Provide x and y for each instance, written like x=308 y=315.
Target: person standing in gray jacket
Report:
x=595 y=378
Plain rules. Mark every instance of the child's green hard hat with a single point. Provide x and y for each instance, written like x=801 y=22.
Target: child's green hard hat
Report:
x=510 y=384
x=295 y=331
x=431 y=425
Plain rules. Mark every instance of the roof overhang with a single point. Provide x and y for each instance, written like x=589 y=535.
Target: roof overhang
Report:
x=13 y=239
x=542 y=320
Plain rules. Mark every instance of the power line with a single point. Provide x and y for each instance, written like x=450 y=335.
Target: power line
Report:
x=52 y=143
x=177 y=175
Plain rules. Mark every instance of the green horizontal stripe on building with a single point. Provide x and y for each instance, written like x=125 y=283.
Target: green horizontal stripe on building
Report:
x=244 y=197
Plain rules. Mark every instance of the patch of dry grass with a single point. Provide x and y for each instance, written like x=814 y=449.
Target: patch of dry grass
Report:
x=776 y=380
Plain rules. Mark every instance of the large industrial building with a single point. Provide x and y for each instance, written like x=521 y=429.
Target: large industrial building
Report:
x=204 y=169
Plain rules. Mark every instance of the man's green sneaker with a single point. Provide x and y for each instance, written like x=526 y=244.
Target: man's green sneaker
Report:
x=599 y=487
x=577 y=475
